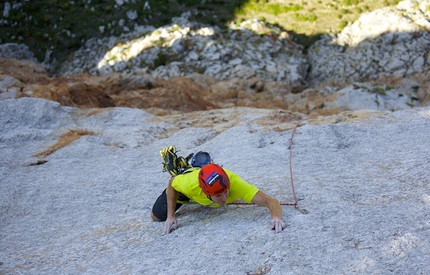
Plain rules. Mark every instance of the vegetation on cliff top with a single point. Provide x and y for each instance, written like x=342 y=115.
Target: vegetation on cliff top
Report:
x=63 y=26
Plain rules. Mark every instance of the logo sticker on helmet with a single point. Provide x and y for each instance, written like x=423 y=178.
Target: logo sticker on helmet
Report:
x=212 y=178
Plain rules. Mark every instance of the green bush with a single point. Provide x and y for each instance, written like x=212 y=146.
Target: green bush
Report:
x=161 y=60
x=343 y=24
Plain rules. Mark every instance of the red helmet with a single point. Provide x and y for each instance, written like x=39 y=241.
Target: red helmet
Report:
x=213 y=180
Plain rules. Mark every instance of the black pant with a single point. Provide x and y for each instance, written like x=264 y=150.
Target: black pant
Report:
x=160 y=206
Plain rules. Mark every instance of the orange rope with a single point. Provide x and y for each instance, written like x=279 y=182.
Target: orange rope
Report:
x=296 y=202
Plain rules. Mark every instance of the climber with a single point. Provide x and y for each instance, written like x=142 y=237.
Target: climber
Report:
x=211 y=186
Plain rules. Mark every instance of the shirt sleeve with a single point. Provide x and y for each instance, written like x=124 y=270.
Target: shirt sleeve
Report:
x=240 y=189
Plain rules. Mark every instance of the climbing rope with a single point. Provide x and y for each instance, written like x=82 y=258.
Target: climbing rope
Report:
x=296 y=202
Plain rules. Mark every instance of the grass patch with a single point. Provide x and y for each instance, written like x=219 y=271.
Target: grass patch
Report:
x=305 y=17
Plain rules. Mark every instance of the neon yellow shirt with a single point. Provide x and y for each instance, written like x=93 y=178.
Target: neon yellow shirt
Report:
x=188 y=184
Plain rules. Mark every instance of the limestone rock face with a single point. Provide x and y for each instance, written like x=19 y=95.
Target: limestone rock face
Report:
x=78 y=185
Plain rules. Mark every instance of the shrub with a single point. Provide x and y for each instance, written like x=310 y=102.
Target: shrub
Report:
x=161 y=60
x=343 y=24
